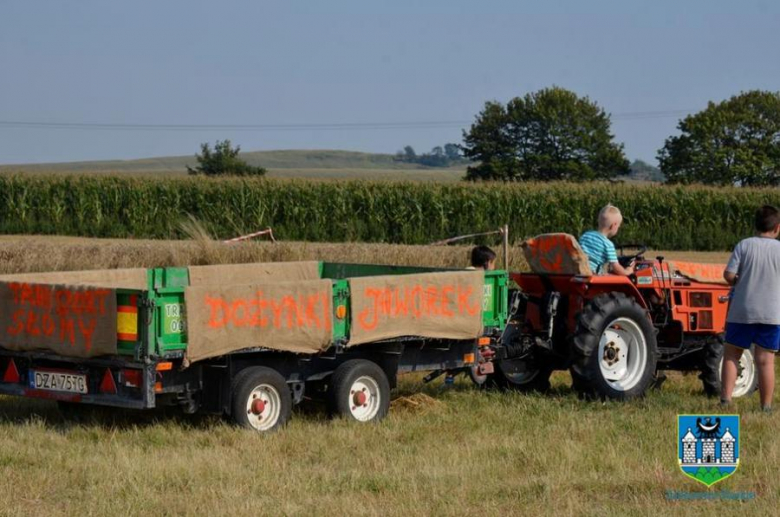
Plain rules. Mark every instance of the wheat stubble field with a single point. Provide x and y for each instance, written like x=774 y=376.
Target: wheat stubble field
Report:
x=442 y=451
x=26 y=253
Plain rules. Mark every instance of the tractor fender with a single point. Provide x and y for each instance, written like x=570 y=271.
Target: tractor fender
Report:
x=598 y=285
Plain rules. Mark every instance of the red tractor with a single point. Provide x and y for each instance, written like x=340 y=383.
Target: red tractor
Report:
x=614 y=334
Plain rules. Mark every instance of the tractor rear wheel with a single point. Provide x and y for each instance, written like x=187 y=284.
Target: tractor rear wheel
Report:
x=522 y=375
x=614 y=349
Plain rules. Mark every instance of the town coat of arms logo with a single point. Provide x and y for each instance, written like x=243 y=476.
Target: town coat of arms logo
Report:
x=708 y=446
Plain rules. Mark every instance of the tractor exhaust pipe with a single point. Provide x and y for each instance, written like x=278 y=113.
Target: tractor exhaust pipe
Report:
x=667 y=292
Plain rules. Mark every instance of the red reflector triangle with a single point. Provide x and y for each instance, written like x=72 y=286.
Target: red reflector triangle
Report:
x=107 y=385
x=11 y=373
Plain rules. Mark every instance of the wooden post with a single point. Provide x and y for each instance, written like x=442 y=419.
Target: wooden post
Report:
x=505 y=233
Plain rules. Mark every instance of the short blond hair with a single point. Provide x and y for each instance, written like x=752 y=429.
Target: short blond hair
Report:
x=609 y=215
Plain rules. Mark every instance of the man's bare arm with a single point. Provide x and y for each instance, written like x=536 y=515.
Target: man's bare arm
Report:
x=729 y=277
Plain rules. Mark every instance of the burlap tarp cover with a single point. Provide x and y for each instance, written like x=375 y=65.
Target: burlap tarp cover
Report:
x=234 y=274
x=289 y=316
x=434 y=305
x=704 y=273
x=113 y=278
x=556 y=253
x=222 y=274
x=70 y=320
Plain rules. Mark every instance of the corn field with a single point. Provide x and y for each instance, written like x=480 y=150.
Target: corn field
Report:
x=695 y=218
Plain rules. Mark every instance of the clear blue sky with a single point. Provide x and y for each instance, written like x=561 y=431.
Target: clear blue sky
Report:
x=370 y=61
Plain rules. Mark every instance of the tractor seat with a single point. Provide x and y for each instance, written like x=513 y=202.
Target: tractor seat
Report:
x=556 y=254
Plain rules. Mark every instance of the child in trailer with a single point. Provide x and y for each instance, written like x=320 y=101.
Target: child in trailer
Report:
x=601 y=253
x=754 y=311
x=483 y=257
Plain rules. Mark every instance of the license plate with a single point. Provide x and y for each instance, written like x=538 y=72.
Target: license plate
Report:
x=59 y=381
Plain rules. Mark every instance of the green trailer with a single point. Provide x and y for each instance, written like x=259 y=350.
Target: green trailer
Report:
x=173 y=350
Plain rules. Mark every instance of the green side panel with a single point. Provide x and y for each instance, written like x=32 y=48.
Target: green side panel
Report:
x=171 y=277
x=495 y=310
x=169 y=312
x=167 y=325
x=339 y=270
x=341 y=298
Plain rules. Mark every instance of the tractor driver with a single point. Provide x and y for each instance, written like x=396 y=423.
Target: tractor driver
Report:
x=601 y=253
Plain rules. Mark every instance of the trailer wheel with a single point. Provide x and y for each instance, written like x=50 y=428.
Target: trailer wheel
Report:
x=359 y=390
x=712 y=366
x=614 y=349
x=522 y=375
x=261 y=399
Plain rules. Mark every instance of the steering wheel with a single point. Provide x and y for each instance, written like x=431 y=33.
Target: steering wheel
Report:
x=625 y=260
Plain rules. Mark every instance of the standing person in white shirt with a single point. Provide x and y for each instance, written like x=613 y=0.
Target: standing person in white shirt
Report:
x=754 y=312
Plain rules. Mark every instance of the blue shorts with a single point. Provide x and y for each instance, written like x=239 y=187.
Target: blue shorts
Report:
x=745 y=334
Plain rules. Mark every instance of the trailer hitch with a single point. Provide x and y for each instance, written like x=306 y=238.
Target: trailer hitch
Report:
x=433 y=376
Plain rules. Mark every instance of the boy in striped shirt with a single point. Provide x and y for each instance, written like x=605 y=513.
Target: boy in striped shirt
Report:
x=601 y=253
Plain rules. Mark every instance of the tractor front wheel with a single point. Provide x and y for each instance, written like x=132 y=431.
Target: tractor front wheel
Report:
x=614 y=349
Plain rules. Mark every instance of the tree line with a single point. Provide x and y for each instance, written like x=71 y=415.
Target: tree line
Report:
x=440 y=156
x=555 y=134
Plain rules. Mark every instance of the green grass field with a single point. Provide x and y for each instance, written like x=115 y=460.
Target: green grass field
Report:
x=459 y=452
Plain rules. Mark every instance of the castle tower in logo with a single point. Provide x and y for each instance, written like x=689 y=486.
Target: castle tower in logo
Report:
x=727 y=447
x=708 y=450
x=708 y=447
x=689 y=447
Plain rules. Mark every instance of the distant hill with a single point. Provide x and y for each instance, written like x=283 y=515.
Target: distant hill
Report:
x=304 y=164
x=323 y=164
